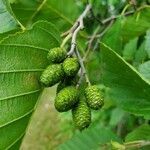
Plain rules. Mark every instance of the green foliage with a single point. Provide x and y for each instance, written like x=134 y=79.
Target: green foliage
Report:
x=140 y=133
x=23 y=57
x=147 y=43
x=136 y=25
x=126 y=86
x=94 y=137
x=119 y=66
x=130 y=49
x=140 y=55
x=144 y=69
x=116 y=116
x=127 y=28
x=7 y=19
x=114 y=36
x=27 y=11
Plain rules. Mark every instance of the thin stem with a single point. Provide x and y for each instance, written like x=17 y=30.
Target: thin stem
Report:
x=70 y=30
x=77 y=27
x=125 y=8
x=125 y=14
x=106 y=29
x=21 y=25
x=91 y=42
x=73 y=41
x=133 y=3
x=80 y=79
x=65 y=40
x=37 y=11
x=115 y=17
x=83 y=70
x=136 y=144
x=93 y=37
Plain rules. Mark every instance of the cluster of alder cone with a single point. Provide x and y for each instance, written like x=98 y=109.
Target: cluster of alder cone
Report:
x=63 y=69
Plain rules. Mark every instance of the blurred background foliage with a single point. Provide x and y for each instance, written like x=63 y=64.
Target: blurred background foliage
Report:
x=128 y=35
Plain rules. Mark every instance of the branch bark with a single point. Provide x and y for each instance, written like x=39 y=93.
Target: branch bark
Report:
x=79 y=25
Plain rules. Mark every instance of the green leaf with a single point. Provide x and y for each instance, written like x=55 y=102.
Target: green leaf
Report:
x=140 y=55
x=113 y=36
x=7 y=20
x=28 y=11
x=130 y=50
x=140 y=133
x=136 y=24
x=127 y=28
x=116 y=116
x=126 y=87
x=23 y=57
x=12 y=1
x=144 y=69
x=147 y=43
x=92 y=138
x=9 y=33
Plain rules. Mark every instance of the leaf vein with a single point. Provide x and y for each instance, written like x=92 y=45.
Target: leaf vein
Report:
x=18 y=71
x=49 y=33
x=16 y=119
x=20 y=95
x=15 y=141
x=26 y=45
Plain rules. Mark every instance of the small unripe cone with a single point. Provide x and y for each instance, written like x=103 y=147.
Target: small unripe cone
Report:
x=57 y=55
x=66 y=99
x=81 y=115
x=66 y=82
x=71 y=66
x=52 y=75
x=94 y=97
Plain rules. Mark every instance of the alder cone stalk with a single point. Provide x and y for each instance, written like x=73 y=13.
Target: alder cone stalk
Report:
x=52 y=75
x=66 y=99
x=94 y=97
x=81 y=115
x=57 y=55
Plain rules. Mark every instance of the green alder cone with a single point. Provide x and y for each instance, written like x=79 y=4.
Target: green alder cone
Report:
x=57 y=55
x=81 y=115
x=94 y=97
x=71 y=66
x=52 y=75
x=66 y=99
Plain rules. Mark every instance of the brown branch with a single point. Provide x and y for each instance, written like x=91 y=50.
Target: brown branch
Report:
x=79 y=25
x=105 y=21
